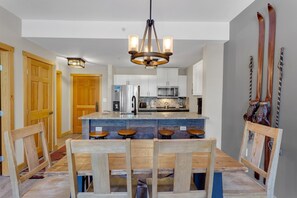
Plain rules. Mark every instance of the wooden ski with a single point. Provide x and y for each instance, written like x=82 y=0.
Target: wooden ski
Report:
x=253 y=104
x=263 y=114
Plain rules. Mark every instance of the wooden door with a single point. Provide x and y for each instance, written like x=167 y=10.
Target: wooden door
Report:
x=39 y=96
x=5 y=118
x=59 y=102
x=1 y=153
x=7 y=99
x=86 y=98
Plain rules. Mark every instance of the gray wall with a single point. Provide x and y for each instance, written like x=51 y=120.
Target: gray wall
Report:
x=242 y=44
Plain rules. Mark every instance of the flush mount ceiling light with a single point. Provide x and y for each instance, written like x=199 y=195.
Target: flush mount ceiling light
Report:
x=146 y=56
x=76 y=62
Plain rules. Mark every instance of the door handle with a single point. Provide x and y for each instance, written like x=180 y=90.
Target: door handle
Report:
x=50 y=113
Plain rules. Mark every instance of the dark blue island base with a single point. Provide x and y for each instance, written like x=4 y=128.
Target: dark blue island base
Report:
x=146 y=128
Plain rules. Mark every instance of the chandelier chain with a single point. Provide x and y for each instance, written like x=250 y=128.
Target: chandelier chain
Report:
x=150 y=10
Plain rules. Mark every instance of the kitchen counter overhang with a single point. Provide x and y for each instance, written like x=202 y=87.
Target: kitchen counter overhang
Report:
x=146 y=124
x=143 y=115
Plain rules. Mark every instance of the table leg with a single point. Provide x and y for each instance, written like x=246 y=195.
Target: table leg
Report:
x=217 y=189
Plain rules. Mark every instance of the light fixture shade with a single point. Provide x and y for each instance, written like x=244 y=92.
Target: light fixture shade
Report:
x=76 y=63
x=168 y=44
x=133 y=43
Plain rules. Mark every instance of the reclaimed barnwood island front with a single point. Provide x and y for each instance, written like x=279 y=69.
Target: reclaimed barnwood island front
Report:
x=146 y=124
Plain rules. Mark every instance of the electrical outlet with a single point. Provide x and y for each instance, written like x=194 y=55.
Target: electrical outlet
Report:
x=183 y=128
x=98 y=128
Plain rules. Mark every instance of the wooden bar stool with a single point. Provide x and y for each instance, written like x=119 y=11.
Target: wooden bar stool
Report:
x=98 y=134
x=196 y=133
x=166 y=134
x=127 y=133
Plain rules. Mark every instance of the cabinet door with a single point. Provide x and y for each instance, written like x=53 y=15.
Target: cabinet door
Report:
x=172 y=76
x=182 y=86
x=198 y=78
x=144 y=92
x=161 y=77
x=152 y=85
x=167 y=77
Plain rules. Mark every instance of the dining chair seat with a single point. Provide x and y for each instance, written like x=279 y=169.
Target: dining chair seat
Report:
x=50 y=187
x=240 y=184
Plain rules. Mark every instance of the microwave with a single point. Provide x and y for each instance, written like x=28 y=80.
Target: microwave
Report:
x=167 y=92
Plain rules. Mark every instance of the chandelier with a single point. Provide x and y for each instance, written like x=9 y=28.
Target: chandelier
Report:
x=146 y=56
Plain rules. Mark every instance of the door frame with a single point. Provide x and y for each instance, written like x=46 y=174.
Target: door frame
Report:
x=71 y=94
x=7 y=96
x=59 y=102
x=26 y=56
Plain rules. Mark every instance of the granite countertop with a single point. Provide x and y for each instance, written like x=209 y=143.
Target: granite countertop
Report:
x=143 y=115
x=163 y=109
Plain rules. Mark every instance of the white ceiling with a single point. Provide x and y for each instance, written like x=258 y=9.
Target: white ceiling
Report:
x=114 y=51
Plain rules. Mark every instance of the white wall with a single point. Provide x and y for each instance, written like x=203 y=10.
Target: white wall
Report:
x=10 y=34
x=213 y=58
x=192 y=99
x=66 y=108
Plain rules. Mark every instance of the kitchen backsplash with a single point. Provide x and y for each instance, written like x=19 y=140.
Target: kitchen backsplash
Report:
x=158 y=102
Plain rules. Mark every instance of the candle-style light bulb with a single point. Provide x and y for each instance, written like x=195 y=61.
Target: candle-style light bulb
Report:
x=133 y=43
x=168 y=44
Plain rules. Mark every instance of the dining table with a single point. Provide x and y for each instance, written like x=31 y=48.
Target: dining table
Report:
x=142 y=162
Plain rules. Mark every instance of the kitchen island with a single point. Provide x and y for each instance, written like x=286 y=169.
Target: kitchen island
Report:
x=146 y=124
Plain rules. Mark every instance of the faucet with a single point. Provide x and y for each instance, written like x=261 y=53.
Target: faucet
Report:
x=134 y=105
x=166 y=105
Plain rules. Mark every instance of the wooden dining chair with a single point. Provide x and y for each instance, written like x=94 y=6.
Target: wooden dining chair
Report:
x=240 y=184
x=102 y=180
x=55 y=187
x=182 y=151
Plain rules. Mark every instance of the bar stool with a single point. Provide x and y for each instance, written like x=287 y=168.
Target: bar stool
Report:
x=196 y=133
x=127 y=133
x=98 y=134
x=166 y=134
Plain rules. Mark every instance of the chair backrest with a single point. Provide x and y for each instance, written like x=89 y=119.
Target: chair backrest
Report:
x=253 y=158
x=99 y=151
x=183 y=150
x=29 y=135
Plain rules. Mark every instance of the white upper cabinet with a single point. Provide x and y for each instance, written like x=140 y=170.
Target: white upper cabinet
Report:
x=198 y=78
x=182 y=86
x=148 y=86
x=167 y=77
x=152 y=85
x=147 y=83
x=126 y=80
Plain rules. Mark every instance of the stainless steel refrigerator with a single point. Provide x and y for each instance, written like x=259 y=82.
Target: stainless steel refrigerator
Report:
x=125 y=98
